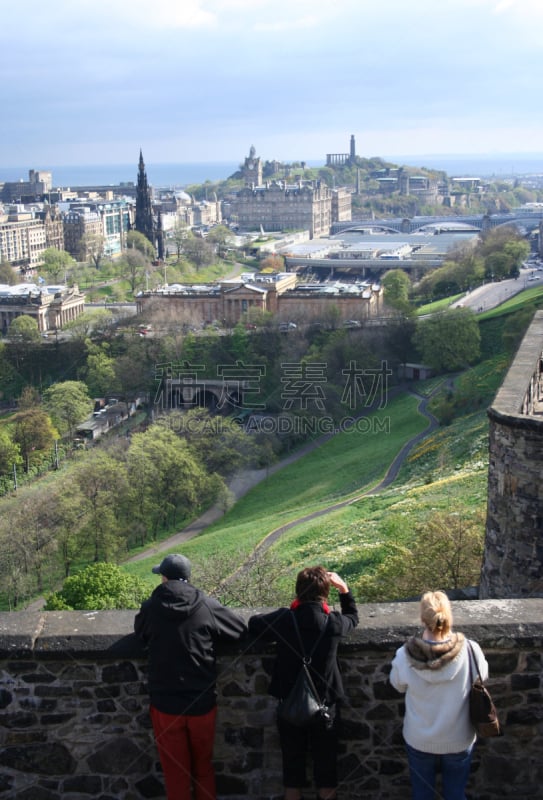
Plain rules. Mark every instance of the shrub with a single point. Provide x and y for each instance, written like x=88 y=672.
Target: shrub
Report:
x=99 y=586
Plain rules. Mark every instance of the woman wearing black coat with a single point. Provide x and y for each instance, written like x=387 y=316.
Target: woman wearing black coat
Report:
x=317 y=625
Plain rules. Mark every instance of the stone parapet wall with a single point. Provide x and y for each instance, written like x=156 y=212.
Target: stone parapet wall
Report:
x=74 y=718
x=513 y=557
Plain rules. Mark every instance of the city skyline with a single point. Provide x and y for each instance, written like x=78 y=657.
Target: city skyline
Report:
x=92 y=83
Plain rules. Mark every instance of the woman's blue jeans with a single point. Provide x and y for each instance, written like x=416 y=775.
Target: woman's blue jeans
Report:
x=424 y=767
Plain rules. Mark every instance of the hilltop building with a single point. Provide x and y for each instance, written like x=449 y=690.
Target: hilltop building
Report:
x=252 y=169
x=343 y=159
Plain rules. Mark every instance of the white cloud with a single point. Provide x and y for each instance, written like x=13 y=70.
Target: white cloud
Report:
x=287 y=24
x=522 y=7
x=171 y=13
x=203 y=79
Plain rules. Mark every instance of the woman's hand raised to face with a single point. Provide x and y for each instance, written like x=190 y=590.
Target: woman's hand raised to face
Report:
x=338 y=583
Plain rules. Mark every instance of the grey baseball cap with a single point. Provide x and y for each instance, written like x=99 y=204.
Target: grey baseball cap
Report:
x=174 y=567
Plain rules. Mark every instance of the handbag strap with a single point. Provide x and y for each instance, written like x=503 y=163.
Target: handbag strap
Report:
x=306 y=659
x=473 y=662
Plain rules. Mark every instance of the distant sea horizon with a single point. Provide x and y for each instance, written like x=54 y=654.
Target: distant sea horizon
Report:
x=186 y=173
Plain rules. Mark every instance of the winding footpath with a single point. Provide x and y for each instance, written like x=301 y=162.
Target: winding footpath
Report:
x=246 y=480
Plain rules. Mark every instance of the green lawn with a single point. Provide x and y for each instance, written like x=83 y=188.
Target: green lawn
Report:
x=341 y=468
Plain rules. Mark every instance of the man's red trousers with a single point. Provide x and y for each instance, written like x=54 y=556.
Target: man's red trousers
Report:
x=185 y=748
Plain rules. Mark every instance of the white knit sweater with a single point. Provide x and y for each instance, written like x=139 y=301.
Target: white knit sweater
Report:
x=436 y=687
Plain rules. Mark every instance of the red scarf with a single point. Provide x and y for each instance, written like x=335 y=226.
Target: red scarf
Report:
x=296 y=604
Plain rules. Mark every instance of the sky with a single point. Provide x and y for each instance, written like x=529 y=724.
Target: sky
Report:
x=93 y=81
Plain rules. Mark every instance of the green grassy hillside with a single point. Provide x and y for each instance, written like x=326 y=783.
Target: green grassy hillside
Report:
x=444 y=474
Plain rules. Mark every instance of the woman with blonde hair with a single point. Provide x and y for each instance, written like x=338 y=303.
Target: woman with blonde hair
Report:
x=433 y=670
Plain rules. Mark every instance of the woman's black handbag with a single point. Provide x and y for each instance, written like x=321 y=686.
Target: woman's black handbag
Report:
x=482 y=711
x=302 y=706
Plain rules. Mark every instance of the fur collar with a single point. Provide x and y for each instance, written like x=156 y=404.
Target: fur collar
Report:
x=423 y=655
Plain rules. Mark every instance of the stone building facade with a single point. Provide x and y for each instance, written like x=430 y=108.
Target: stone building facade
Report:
x=52 y=306
x=233 y=301
x=513 y=557
x=252 y=169
x=102 y=224
x=81 y=225
x=278 y=206
x=23 y=240
x=54 y=226
x=74 y=718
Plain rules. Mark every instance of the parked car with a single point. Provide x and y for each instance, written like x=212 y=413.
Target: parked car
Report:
x=352 y=323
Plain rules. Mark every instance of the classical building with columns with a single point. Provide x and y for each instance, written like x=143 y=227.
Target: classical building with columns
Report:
x=51 y=306
x=233 y=301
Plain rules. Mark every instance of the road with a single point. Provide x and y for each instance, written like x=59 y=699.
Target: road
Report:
x=494 y=294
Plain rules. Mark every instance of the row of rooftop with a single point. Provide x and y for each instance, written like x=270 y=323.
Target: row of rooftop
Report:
x=35 y=216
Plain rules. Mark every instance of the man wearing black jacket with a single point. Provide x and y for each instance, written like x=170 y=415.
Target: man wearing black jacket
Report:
x=180 y=625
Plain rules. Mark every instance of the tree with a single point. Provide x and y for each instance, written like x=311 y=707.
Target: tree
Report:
x=448 y=341
x=24 y=330
x=133 y=268
x=217 y=442
x=67 y=506
x=506 y=261
x=35 y=434
x=220 y=236
x=272 y=263
x=68 y=404
x=446 y=553
x=100 y=376
x=258 y=583
x=133 y=371
x=102 y=483
x=198 y=250
x=93 y=248
x=396 y=284
x=7 y=273
x=96 y=321
x=497 y=266
x=10 y=452
x=56 y=263
x=16 y=580
x=30 y=398
x=178 y=236
x=166 y=481
x=99 y=586
x=11 y=381
x=24 y=336
x=34 y=521
x=136 y=240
